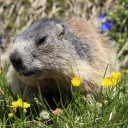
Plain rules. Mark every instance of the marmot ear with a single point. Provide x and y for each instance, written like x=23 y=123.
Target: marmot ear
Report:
x=59 y=29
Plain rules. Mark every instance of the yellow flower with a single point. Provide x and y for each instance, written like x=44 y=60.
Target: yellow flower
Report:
x=106 y=82
x=17 y=103
x=109 y=81
x=114 y=81
x=20 y=103
x=126 y=71
x=10 y=115
x=24 y=110
x=25 y=105
x=116 y=75
x=76 y=81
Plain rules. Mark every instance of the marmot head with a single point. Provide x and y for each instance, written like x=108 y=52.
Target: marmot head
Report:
x=43 y=49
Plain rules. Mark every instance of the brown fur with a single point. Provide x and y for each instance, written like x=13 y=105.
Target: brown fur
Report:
x=105 y=54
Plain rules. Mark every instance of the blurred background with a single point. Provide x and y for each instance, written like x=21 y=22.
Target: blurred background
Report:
x=110 y=16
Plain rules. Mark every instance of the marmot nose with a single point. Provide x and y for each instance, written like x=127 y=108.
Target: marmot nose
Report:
x=16 y=61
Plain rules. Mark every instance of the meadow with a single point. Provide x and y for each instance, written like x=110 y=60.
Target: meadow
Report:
x=110 y=111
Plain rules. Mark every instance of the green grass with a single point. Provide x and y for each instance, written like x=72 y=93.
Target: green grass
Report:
x=111 y=111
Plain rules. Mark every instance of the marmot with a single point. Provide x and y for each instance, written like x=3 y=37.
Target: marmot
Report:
x=52 y=51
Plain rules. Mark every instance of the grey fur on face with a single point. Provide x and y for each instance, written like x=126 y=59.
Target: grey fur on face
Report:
x=46 y=46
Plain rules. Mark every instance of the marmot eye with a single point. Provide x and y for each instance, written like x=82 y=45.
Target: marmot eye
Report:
x=42 y=40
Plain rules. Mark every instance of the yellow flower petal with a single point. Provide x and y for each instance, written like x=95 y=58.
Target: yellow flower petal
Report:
x=20 y=103
x=106 y=82
x=116 y=75
x=10 y=115
x=76 y=81
x=17 y=103
x=25 y=105
x=114 y=81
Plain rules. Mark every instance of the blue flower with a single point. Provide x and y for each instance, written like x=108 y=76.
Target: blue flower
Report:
x=100 y=17
x=107 y=25
x=104 y=28
x=0 y=40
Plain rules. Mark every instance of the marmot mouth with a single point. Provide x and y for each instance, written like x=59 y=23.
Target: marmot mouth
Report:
x=31 y=74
